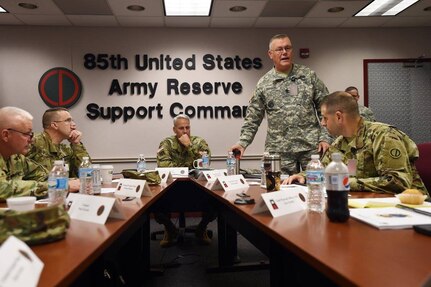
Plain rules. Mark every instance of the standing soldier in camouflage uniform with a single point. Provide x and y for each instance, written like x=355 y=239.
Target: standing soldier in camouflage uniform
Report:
x=47 y=147
x=181 y=150
x=18 y=176
x=365 y=112
x=384 y=155
x=290 y=95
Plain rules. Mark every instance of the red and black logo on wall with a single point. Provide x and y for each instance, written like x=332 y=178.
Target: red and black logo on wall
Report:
x=60 y=87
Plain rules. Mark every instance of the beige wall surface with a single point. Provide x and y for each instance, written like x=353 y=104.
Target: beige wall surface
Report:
x=26 y=53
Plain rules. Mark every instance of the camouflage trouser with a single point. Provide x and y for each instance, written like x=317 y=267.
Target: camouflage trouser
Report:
x=292 y=163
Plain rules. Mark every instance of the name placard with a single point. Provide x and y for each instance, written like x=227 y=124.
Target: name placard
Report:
x=94 y=209
x=285 y=201
x=211 y=175
x=165 y=176
x=19 y=265
x=230 y=182
x=176 y=172
x=127 y=187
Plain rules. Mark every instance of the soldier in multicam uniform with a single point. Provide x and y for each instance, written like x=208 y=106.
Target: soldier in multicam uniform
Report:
x=181 y=150
x=384 y=155
x=47 y=146
x=290 y=95
x=19 y=176
x=365 y=112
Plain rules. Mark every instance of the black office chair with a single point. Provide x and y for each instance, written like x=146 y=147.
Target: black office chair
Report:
x=423 y=164
x=157 y=235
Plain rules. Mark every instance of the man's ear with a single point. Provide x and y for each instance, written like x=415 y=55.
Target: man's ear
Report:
x=4 y=135
x=339 y=116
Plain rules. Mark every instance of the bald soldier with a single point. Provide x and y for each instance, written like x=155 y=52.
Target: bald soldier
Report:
x=385 y=156
x=19 y=176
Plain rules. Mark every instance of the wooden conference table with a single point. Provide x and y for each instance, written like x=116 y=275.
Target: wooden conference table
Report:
x=299 y=246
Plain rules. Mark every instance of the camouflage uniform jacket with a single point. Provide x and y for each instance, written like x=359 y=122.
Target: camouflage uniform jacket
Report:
x=385 y=159
x=173 y=154
x=366 y=113
x=290 y=103
x=20 y=176
x=45 y=152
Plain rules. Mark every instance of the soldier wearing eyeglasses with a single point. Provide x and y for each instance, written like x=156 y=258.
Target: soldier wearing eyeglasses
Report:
x=48 y=146
x=290 y=95
x=19 y=176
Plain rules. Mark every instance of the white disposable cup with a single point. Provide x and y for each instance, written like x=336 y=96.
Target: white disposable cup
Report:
x=23 y=203
x=106 y=172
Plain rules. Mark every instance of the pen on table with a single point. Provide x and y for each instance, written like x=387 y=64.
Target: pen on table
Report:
x=413 y=209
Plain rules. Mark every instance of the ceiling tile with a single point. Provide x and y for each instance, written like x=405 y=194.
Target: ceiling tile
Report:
x=9 y=19
x=93 y=20
x=321 y=22
x=350 y=8
x=232 y=22
x=364 y=22
x=408 y=22
x=287 y=8
x=84 y=7
x=44 y=7
x=48 y=20
x=141 y=21
x=152 y=8
x=221 y=9
x=192 y=22
x=282 y=22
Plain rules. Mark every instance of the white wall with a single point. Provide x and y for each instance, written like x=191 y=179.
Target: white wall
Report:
x=27 y=52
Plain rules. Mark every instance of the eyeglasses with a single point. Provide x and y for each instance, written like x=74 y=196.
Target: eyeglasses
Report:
x=280 y=50
x=28 y=134
x=69 y=120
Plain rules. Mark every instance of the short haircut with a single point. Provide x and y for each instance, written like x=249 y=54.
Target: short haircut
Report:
x=181 y=116
x=276 y=37
x=341 y=101
x=351 y=88
x=50 y=115
x=9 y=115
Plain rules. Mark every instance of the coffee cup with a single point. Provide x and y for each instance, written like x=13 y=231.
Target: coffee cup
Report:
x=106 y=172
x=197 y=163
x=23 y=203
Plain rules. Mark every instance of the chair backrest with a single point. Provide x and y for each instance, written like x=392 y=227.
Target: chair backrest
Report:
x=423 y=164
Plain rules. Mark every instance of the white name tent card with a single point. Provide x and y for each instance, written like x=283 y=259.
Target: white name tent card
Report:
x=230 y=182
x=94 y=209
x=285 y=201
x=127 y=187
x=165 y=176
x=19 y=266
x=211 y=175
x=176 y=172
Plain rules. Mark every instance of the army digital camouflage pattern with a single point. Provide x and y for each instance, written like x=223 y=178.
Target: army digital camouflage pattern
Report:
x=385 y=159
x=40 y=225
x=173 y=154
x=290 y=103
x=366 y=113
x=45 y=152
x=20 y=176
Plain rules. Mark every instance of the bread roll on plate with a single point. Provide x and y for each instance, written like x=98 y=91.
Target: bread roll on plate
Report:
x=411 y=196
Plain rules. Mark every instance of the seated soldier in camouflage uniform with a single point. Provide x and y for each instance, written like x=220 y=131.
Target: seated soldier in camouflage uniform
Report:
x=365 y=112
x=47 y=146
x=180 y=150
x=19 y=176
x=385 y=155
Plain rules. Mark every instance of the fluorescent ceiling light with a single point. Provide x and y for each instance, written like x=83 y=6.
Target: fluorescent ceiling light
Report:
x=187 y=7
x=385 y=7
x=2 y=10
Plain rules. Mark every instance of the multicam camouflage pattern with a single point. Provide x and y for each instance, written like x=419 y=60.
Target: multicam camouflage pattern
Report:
x=366 y=113
x=292 y=105
x=151 y=176
x=20 y=176
x=45 y=152
x=40 y=225
x=173 y=154
x=385 y=159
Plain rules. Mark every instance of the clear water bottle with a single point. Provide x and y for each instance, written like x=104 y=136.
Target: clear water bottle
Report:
x=97 y=183
x=337 y=188
x=205 y=160
x=231 y=164
x=86 y=176
x=262 y=170
x=141 y=164
x=315 y=174
x=58 y=183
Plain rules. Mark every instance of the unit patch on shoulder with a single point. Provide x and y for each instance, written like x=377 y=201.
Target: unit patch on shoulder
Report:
x=395 y=153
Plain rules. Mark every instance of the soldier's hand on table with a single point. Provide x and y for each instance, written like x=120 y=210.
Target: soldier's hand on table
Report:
x=296 y=178
x=74 y=185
